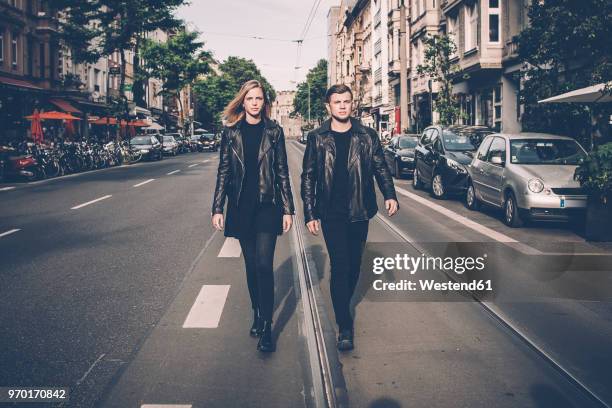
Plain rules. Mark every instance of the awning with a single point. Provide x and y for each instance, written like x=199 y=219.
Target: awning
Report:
x=155 y=126
x=65 y=106
x=590 y=94
x=18 y=83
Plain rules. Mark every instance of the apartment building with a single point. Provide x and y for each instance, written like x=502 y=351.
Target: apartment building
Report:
x=332 y=23
x=282 y=107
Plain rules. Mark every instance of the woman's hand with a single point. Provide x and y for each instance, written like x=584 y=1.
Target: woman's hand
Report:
x=287 y=222
x=217 y=221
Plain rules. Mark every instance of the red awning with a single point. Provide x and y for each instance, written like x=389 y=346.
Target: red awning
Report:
x=18 y=83
x=65 y=106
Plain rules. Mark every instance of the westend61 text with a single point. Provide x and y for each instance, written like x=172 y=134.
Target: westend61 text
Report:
x=431 y=285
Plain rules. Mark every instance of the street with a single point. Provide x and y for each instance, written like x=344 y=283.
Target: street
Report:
x=113 y=283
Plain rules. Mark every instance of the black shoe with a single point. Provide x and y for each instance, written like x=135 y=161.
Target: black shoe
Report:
x=345 y=340
x=257 y=326
x=266 y=343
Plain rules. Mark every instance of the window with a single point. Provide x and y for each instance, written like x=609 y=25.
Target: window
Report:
x=494 y=11
x=14 y=49
x=42 y=61
x=347 y=67
x=471 y=27
x=359 y=55
x=452 y=35
x=498 y=149
x=1 y=45
x=491 y=107
x=484 y=149
x=426 y=138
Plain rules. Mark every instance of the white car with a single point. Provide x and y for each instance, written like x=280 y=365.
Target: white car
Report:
x=170 y=145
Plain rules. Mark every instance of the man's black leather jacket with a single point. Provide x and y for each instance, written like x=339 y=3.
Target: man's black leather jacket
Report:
x=365 y=161
x=274 y=186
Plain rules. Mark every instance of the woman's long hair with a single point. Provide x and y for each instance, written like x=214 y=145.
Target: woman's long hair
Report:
x=234 y=111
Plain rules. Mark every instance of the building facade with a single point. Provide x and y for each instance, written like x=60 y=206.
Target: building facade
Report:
x=282 y=107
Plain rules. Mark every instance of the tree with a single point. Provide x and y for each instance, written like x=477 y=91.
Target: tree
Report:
x=439 y=51
x=309 y=101
x=566 y=47
x=216 y=90
x=96 y=28
x=177 y=62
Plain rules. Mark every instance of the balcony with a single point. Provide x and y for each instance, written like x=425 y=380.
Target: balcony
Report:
x=45 y=24
x=365 y=67
x=511 y=49
x=378 y=75
x=377 y=19
x=394 y=67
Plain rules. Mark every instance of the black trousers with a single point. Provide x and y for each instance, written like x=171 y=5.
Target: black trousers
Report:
x=345 y=242
x=258 y=253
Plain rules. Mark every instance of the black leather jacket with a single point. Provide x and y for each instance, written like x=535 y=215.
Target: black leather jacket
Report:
x=366 y=159
x=274 y=186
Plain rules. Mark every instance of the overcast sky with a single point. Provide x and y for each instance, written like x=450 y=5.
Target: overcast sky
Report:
x=223 y=23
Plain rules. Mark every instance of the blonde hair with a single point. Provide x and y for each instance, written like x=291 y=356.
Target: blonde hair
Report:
x=234 y=111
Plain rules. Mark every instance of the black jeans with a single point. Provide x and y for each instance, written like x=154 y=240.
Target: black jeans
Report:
x=345 y=242
x=258 y=252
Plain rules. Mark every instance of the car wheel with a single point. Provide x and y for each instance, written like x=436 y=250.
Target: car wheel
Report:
x=417 y=184
x=438 y=189
x=471 y=201
x=512 y=218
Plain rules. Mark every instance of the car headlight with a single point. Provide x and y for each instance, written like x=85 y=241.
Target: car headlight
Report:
x=144 y=150
x=535 y=185
x=458 y=167
x=407 y=159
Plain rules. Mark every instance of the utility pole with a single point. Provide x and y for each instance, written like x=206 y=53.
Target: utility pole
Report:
x=403 y=70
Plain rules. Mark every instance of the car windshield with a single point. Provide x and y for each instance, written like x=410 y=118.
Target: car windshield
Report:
x=195 y=137
x=546 y=151
x=168 y=139
x=207 y=136
x=141 y=140
x=458 y=142
x=407 y=142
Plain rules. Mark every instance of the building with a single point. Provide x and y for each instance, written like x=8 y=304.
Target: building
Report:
x=332 y=22
x=282 y=107
x=394 y=28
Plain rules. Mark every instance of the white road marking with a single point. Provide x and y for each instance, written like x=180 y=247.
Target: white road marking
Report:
x=206 y=311
x=166 y=406
x=193 y=165
x=4 y=234
x=173 y=172
x=497 y=236
x=143 y=183
x=230 y=248
x=91 y=202
x=205 y=161
x=7 y=188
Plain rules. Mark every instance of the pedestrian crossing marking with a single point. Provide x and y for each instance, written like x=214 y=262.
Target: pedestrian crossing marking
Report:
x=230 y=248
x=206 y=311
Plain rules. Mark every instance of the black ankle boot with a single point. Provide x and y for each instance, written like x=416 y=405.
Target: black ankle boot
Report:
x=266 y=343
x=257 y=326
x=346 y=340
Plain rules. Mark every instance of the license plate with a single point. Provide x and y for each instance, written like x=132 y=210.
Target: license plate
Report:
x=562 y=203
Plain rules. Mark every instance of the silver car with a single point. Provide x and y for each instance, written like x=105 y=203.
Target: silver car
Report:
x=528 y=175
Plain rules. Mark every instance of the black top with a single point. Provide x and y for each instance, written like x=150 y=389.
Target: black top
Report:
x=340 y=194
x=251 y=138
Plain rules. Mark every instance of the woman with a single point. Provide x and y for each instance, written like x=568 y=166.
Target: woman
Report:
x=254 y=177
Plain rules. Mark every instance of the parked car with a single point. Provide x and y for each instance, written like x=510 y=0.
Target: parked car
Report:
x=529 y=175
x=303 y=137
x=399 y=154
x=209 y=142
x=181 y=141
x=149 y=146
x=195 y=143
x=170 y=146
x=441 y=157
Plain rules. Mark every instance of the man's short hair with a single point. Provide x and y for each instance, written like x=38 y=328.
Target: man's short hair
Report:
x=337 y=89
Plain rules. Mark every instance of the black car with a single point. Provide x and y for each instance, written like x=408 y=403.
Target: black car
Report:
x=399 y=154
x=149 y=146
x=209 y=142
x=441 y=157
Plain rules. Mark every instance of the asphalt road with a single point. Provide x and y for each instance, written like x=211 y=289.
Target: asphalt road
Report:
x=135 y=300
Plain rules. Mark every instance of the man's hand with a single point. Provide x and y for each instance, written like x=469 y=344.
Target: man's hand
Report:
x=313 y=227
x=392 y=207
x=217 y=221
x=287 y=222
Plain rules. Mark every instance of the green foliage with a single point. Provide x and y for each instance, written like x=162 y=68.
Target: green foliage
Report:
x=439 y=50
x=215 y=91
x=595 y=173
x=317 y=78
x=566 y=47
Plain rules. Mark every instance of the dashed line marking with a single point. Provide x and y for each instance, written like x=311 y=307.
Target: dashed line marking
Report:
x=207 y=308
x=193 y=165
x=173 y=172
x=143 y=183
x=230 y=248
x=9 y=232
x=91 y=202
x=7 y=188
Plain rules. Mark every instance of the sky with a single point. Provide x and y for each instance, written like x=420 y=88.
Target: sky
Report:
x=224 y=24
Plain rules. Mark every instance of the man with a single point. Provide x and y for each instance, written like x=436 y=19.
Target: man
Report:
x=340 y=161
